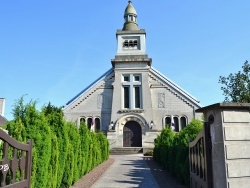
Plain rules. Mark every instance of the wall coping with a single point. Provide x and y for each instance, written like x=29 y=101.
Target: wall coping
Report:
x=225 y=106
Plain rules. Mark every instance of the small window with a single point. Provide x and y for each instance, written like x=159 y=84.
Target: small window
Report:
x=183 y=122
x=137 y=97
x=131 y=43
x=176 y=124
x=136 y=78
x=130 y=18
x=126 y=78
x=97 y=125
x=125 y=44
x=82 y=120
x=89 y=123
x=168 y=121
x=126 y=97
x=135 y=42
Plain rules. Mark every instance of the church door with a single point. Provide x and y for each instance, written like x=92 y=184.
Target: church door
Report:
x=132 y=135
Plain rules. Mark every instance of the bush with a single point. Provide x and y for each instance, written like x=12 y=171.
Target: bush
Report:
x=61 y=152
x=171 y=149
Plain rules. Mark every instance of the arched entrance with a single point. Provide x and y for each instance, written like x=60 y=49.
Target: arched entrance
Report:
x=132 y=134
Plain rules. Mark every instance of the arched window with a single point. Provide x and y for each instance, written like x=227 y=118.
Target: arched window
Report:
x=97 y=124
x=131 y=43
x=168 y=121
x=89 y=123
x=125 y=44
x=176 y=124
x=82 y=120
x=183 y=122
x=135 y=43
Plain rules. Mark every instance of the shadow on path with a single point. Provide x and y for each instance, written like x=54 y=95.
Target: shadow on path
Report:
x=161 y=175
x=140 y=175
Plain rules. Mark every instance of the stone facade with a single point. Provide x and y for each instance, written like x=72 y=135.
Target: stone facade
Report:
x=3 y=120
x=132 y=91
x=230 y=137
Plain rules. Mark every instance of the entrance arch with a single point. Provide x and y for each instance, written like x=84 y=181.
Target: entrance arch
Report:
x=132 y=134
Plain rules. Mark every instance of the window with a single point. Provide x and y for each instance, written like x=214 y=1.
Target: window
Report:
x=137 y=97
x=168 y=121
x=176 y=124
x=125 y=44
x=97 y=124
x=130 y=44
x=89 y=123
x=82 y=120
x=137 y=78
x=126 y=78
x=126 y=97
x=183 y=122
x=132 y=91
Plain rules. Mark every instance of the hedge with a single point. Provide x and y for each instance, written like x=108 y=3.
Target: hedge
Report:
x=171 y=150
x=62 y=153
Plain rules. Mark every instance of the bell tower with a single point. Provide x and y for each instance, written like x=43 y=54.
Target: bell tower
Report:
x=131 y=41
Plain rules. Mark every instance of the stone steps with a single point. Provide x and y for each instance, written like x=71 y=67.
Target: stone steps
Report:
x=126 y=150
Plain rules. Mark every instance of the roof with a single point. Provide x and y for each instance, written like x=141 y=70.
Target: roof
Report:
x=92 y=85
x=176 y=89
x=225 y=106
x=163 y=79
x=130 y=9
x=3 y=120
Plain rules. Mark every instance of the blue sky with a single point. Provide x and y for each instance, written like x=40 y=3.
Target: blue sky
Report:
x=50 y=50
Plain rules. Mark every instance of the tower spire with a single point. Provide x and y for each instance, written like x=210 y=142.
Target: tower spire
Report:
x=130 y=17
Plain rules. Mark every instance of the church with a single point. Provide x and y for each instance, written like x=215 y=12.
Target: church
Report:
x=132 y=102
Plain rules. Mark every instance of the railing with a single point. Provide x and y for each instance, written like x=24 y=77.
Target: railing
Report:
x=15 y=163
x=200 y=160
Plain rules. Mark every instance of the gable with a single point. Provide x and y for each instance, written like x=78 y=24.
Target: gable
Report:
x=103 y=82
x=158 y=80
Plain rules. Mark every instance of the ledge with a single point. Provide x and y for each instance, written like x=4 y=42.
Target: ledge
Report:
x=129 y=111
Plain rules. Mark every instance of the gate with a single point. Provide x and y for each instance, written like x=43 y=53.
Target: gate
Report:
x=200 y=159
x=14 y=159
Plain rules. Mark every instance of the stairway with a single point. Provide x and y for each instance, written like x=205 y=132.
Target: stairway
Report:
x=126 y=150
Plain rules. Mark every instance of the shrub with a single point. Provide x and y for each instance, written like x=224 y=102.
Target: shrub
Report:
x=171 y=149
x=61 y=152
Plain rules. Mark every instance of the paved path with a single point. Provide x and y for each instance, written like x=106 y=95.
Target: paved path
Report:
x=130 y=171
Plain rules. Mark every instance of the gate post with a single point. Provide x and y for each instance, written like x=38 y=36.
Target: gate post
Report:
x=229 y=130
x=208 y=152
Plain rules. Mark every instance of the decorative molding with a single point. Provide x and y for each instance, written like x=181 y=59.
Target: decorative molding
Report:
x=129 y=111
x=161 y=100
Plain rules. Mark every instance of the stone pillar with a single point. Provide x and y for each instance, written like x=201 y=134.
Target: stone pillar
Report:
x=2 y=106
x=230 y=137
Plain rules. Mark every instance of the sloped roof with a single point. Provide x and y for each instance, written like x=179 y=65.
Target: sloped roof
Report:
x=92 y=85
x=173 y=87
x=3 y=120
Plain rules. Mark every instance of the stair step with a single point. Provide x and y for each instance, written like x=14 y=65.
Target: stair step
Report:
x=126 y=150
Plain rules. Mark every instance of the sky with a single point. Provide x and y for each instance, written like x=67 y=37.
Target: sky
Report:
x=50 y=50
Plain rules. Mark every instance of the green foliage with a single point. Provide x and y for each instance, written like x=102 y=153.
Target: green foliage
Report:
x=171 y=149
x=61 y=152
x=236 y=87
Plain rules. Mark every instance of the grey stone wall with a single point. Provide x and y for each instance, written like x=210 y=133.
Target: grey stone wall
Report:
x=230 y=136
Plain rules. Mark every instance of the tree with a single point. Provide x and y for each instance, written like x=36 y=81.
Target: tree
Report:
x=236 y=87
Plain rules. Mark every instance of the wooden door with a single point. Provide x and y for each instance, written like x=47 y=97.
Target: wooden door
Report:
x=132 y=135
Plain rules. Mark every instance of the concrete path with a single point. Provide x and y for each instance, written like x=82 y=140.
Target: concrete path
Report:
x=128 y=171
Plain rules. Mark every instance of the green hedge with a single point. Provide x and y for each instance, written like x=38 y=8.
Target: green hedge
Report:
x=171 y=150
x=62 y=153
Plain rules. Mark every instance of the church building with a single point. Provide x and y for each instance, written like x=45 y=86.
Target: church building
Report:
x=132 y=102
